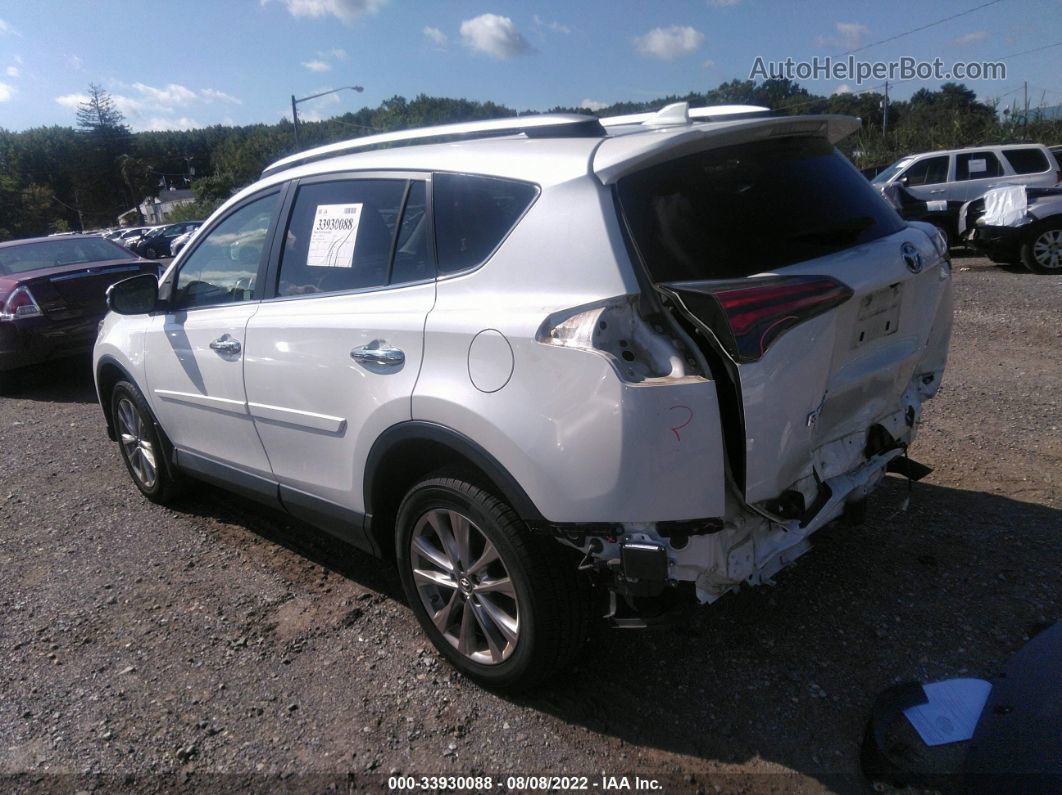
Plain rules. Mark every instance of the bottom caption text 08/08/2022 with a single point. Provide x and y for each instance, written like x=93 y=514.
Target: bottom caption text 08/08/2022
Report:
x=546 y=783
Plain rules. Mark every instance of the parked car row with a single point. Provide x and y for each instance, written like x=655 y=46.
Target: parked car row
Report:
x=933 y=186
x=153 y=242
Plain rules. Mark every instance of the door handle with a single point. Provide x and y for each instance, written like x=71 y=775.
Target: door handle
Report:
x=377 y=353
x=224 y=344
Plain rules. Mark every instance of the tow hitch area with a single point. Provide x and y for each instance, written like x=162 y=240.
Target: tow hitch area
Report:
x=638 y=596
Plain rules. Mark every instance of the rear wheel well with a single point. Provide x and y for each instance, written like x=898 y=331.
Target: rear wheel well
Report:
x=405 y=464
x=108 y=375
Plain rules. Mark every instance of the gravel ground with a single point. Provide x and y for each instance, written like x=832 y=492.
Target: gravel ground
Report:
x=219 y=646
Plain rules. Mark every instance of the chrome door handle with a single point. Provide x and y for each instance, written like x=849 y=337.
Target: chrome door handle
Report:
x=224 y=344
x=375 y=353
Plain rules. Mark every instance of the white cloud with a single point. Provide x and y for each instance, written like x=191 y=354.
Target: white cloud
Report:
x=723 y=3
x=592 y=104
x=5 y=27
x=708 y=63
x=849 y=36
x=436 y=36
x=72 y=100
x=338 y=53
x=555 y=26
x=317 y=66
x=669 y=43
x=971 y=38
x=75 y=63
x=210 y=94
x=12 y=71
x=844 y=88
x=17 y=59
x=172 y=95
x=6 y=92
x=346 y=11
x=158 y=124
x=493 y=35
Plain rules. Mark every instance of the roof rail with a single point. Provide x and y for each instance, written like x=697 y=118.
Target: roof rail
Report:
x=554 y=125
x=680 y=113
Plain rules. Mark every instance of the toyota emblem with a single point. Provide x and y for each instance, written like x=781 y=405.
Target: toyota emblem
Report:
x=911 y=258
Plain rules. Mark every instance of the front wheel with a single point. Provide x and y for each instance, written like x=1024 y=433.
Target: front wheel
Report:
x=505 y=607
x=140 y=446
x=151 y=253
x=1041 y=250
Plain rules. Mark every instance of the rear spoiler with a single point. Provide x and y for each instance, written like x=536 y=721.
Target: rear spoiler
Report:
x=620 y=155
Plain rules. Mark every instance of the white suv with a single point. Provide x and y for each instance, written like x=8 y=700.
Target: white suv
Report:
x=555 y=358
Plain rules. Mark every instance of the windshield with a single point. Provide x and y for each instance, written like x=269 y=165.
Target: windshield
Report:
x=891 y=171
x=53 y=253
x=741 y=210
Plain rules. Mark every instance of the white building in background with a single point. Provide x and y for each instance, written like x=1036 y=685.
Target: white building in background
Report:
x=157 y=209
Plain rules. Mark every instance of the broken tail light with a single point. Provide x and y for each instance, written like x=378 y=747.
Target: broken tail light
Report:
x=19 y=304
x=614 y=328
x=749 y=315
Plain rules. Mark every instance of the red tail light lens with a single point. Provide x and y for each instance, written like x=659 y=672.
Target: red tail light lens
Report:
x=749 y=315
x=19 y=304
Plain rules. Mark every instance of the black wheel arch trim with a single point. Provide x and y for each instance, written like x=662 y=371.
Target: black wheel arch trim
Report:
x=104 y=361
x=422 y=430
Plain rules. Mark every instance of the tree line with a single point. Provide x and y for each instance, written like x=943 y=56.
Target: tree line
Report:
x=73 y=178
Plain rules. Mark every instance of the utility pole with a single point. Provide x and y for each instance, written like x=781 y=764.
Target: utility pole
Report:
x=885 y=116
x=295 y=109
x=80 y=216
x=1025 y=122
x=295 y=120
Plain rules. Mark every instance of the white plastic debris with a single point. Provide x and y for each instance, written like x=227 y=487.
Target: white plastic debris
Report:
x=1005 y=206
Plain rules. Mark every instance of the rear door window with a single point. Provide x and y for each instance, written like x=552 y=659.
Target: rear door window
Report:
x=977 y=165
x=745 y=209
x=930 y=171
x=1026 y=161
x=473 y=215
x=340 y=236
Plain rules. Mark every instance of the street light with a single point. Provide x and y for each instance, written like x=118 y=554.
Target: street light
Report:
x=295 y=102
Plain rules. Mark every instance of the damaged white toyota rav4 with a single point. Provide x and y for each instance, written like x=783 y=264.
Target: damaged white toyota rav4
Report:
x=543 y=363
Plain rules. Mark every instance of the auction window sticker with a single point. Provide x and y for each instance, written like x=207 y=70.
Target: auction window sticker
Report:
x=333 y=236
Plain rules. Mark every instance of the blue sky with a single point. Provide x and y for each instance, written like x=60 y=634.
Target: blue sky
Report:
x=183 y=63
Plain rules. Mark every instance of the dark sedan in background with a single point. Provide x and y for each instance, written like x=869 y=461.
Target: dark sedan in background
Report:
x=53 y=295
x=156 y=243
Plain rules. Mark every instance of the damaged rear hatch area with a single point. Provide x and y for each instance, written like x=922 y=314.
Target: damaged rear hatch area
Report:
x=822 y=316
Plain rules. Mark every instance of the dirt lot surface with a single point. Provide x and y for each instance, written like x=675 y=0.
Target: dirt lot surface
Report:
x=218 y=646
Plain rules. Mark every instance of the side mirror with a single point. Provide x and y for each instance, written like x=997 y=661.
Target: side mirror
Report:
x=135 y=296
x=902 y=181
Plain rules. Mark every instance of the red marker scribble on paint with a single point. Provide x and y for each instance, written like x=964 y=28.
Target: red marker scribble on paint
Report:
x=689 y=418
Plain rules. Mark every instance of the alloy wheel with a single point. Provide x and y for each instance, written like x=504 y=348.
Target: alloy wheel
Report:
x=136 y=445
x=465 y=587
x=1047 y=249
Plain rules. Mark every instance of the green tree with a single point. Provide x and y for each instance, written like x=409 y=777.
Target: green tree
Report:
x=99 y=178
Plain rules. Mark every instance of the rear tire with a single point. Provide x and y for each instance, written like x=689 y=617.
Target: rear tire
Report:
x=150 y=253
x=140 y=445
x=1041 y=250
x=508 y=623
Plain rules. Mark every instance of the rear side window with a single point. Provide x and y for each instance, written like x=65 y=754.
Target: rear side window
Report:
x=1026 y=161
x=740 y=210
x=931 y=171
x=340 y=236
x=977 y=165
x=473 y=215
